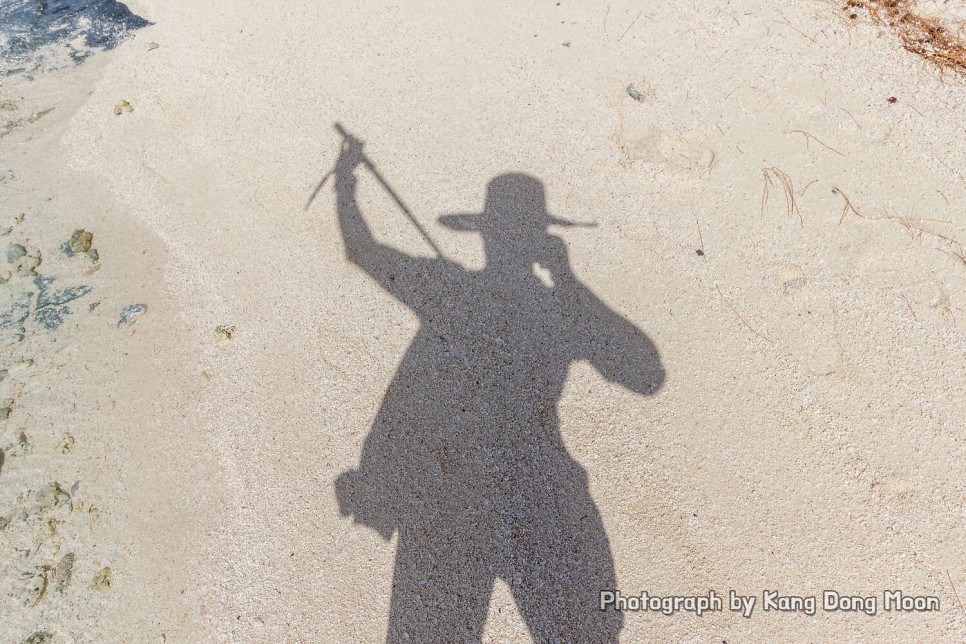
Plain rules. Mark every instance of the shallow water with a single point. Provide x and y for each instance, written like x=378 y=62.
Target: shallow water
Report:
x=36 y=35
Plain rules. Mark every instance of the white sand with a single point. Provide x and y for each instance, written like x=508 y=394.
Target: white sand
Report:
x=809 y=433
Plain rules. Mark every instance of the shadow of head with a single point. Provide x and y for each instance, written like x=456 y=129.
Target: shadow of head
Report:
x=514 y=218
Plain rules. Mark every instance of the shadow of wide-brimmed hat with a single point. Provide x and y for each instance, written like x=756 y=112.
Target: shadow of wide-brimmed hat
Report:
x=513 y=201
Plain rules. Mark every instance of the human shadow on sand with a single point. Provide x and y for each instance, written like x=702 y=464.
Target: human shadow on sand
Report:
x=465 y=458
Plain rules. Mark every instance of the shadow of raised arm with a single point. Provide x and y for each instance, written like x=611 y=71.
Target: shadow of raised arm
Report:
x=404 y=276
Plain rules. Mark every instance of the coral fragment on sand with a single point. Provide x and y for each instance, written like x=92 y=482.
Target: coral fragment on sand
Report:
x=80 y=241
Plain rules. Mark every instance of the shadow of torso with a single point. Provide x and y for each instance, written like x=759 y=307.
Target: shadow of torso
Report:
x=470 y=418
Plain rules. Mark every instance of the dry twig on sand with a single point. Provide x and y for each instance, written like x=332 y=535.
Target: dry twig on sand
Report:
x=957 y=251
x=960 y=255
x=633 y=22
x=743 y=321
x=775 y=176
x=909 y=306
x=920 y=34
x=811 y=137
x=847 y=207
x=794 y=28
x=951 y=585
x=955 y=248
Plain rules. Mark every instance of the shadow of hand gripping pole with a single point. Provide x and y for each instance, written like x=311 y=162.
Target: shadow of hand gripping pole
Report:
x=352 y=153
x=465 y=460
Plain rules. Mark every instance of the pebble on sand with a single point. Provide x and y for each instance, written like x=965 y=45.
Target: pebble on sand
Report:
x=225 y=331
x=64 y=571
x=15 y=252
x=25 y=262
x=121 y=107
x=36 y=587
x=102 y=580
x=47 y=498
x=66 y=443
x=639 y=94
x=20 y=447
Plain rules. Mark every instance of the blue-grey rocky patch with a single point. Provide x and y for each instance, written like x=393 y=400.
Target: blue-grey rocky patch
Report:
x=46 y=297
x=129 y=315
x=50 y=310
x=51 y=317
x=14 y=316
x=37 y=34
x=13 y=124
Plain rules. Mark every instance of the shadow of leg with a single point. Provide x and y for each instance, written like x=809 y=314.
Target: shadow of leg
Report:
x=558 y=569
x=441 y=586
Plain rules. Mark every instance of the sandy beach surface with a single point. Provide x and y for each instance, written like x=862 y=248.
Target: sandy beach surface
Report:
x=244 y=399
